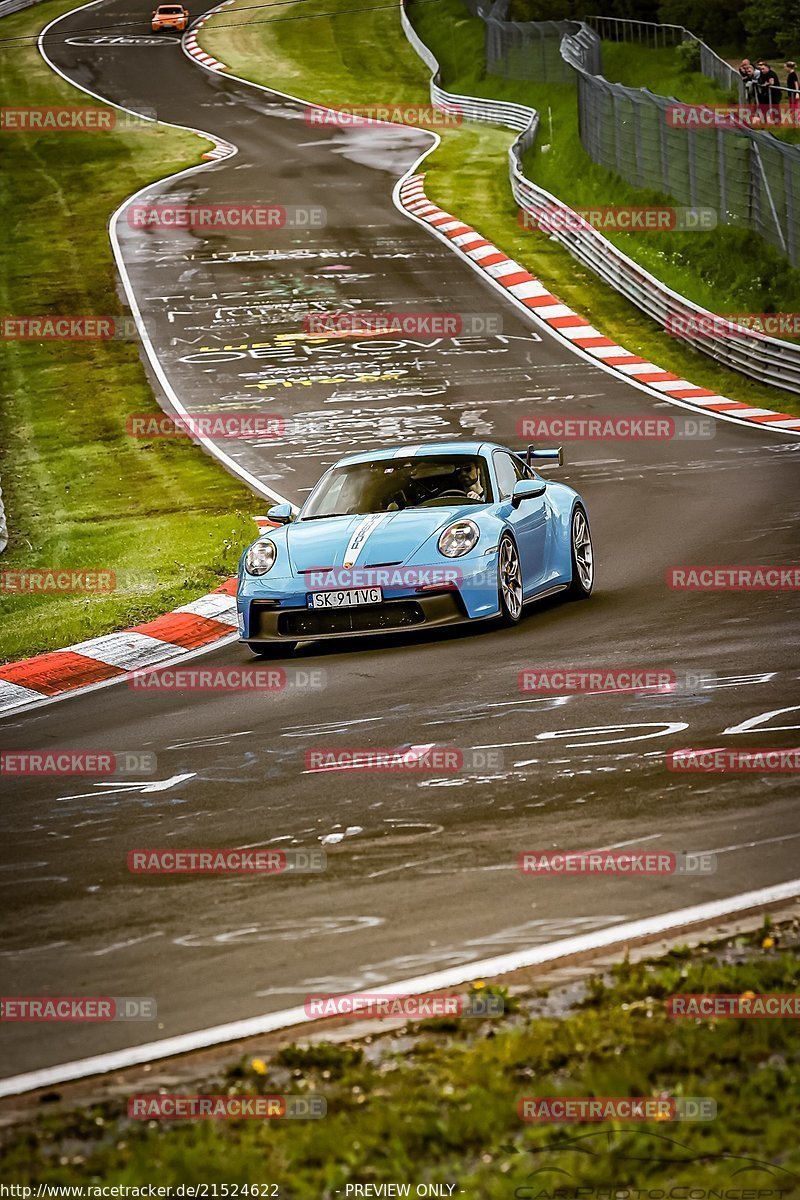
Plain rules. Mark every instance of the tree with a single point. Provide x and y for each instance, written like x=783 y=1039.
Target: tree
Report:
x=717 y=22
x=773 y=27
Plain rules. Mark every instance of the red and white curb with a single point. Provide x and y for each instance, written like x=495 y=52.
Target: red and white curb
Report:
x=562 y=320
x=103 y=660
x=179 y=634
x=192 y=47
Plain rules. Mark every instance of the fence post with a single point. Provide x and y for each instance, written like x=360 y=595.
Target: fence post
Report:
x=768 y=190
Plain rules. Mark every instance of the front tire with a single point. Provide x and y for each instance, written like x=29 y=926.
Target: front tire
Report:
x=582 y=553
x=509 y=580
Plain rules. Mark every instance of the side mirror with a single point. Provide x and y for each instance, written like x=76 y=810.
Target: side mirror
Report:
x=280 y=514
x=527 y=489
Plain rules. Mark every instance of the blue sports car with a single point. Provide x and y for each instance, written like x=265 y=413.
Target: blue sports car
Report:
x=414 y=536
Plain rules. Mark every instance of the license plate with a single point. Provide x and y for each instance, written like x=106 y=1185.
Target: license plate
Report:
x=350 y=598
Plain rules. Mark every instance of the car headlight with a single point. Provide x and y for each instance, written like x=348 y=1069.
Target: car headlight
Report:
x=260 y=558
x=459 y=538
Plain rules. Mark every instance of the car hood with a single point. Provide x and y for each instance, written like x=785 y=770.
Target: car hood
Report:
x=367 y=541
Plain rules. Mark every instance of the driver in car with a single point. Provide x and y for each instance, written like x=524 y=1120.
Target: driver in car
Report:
x=468 y=480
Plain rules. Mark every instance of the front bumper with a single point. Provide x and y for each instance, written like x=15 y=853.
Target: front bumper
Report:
x=278 y=610
x=265 y=623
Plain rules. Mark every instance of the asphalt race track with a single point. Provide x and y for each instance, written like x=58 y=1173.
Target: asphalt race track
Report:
x=422 y=868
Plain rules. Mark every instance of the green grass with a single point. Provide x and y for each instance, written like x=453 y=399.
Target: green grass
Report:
x=659 y=69
x=436 y=1103
x=356 y=58
x=78 y=491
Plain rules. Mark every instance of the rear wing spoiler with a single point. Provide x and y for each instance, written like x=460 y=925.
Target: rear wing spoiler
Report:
x=533 y=456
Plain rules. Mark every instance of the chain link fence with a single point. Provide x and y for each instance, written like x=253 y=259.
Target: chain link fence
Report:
x=767 y=359
x=529 y=50
x=749 y=177
x=655 y=36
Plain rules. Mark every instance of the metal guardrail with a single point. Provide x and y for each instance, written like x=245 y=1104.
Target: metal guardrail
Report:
x=766 y=359
x=7 y=7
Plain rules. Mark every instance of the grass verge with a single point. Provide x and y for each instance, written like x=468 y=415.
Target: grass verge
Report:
x=659 y=69
x=348 y=59
x=79 y=493
x=438 y=1101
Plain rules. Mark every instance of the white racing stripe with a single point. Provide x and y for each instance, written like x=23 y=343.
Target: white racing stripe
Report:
x=355 y=547
x=502 y=964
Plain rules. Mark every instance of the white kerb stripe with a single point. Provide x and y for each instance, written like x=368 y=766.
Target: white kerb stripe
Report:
x=498 y=270
x=217 y=606
x=558 y=310
x=528 y=287
x=124 y=649
x=483 y=252
x=13 y=694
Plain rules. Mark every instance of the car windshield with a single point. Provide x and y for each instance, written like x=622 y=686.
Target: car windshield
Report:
x=393 y=484
x=170 y=9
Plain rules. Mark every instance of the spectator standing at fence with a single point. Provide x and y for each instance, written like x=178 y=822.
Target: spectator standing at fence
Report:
x=793 y=85
x=768 y=84
x=750 y=79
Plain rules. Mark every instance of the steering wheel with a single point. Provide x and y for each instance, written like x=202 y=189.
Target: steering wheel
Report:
x=454 y=493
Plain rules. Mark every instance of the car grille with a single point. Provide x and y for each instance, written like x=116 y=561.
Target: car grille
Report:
x=314 y=623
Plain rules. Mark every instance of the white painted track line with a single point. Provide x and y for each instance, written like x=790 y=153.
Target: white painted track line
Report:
x=613 y=935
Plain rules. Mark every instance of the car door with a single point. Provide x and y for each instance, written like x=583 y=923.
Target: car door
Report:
x=529 y=520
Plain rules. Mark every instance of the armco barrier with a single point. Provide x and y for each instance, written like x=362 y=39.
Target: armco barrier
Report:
x=7 y=7
x=766 y=359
